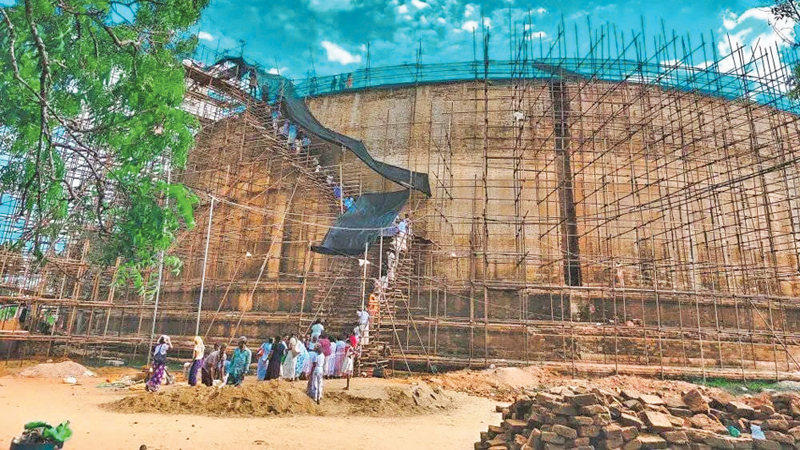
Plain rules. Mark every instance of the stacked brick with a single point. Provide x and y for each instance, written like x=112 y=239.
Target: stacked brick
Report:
x=586 y=419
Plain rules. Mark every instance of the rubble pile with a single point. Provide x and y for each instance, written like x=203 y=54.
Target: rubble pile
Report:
x=584 y=418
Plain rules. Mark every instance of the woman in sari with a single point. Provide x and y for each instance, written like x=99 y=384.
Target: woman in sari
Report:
x=315 y=382
x=159 y=363
x=240 y=363
x=274 y=360
x=263 y=359
x=340 y=356
x=290 y=360
x=302 y=357
x=197 y=360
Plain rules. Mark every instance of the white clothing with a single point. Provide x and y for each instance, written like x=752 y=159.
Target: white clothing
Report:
x=363 y=331
x=363 y=317
x=320 y=360
x=317 y=329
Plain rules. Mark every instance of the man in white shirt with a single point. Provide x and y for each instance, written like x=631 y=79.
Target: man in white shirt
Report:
x=363 y=325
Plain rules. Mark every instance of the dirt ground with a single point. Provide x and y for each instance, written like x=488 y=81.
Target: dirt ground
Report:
x=503 y=383
x=97 y=426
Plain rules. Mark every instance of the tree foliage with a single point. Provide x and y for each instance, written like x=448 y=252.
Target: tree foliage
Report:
x=91 y=119
x=789 y=11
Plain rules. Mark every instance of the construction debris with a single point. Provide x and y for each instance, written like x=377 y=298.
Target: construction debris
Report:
x=579 y=417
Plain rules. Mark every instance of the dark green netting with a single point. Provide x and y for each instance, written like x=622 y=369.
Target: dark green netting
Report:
x=363 y=223
x=294 y=108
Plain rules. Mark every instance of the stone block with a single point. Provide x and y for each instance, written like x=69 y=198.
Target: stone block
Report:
x=565 y=409
x=676 y=437
x=551 y=446
x=700 y=446
x=602 y=419
x=718 y=441
x=777 y=436
x=543 y=398
x=651 y=441
x=778 y=424
x=657 y=421
x=592 y=410
x=613 y=432
x=581 y=420
x=696 y=401
x=535 y=439
x=698 y=435
x=514 y=425
x=584 y=400
x=565 y=431
x=763 y=444
x=552 y=437
x=631 y=394
x=707 y=423
x=632 y=445
x=588 y=431
x=581 y=442
x=629 y=433
x=633 y=404
x=680 y=412
x=650 y=399
x=740 y=409
x=629 y=420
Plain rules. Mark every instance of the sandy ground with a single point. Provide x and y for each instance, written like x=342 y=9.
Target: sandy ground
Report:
x=24 y=400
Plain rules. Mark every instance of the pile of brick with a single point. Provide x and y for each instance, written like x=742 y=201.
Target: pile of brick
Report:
x=585 y=419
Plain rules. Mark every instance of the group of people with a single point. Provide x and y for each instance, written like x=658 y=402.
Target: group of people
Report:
x=313 y=357
x=210 y=368
x=401 y=230
x=342 y=84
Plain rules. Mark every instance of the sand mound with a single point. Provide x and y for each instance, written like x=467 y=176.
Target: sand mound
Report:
x=259 y=400
x=57 y=370
x=395 y=401
x=500 y=384
x=503 y=384
x=279 y=398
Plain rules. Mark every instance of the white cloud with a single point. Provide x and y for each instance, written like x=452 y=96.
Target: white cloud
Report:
x=331 y=5
x=540 y=11
x=470 y=25
x=538 y=35
x=408 y=17
x=441 y=20
x=487 y=22
x=423 y=20
x=420 y=4
x=276 y=71
x=402 y=9
x=340 y=55
x=203 y=36
x=469 y=10
x=730 y=20
x=749 y=36
x=578 y=15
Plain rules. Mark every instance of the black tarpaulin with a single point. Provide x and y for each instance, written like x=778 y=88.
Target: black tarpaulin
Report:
x=362 y=225
x=295 y=110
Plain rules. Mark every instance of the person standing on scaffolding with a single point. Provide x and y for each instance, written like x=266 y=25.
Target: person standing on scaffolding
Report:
x=403 y=229
x=265 y=93
x=253 y=84
x=334 y=83
x=363 y=325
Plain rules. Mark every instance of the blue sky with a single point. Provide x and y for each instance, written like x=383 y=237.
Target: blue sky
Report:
x=287 y=34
